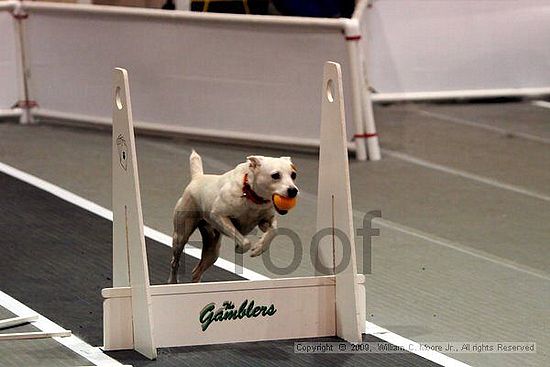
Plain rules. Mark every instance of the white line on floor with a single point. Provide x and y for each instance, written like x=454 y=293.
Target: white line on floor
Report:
x=107 y=214
x=92 y=354
x=464 y=174
x=461 y=248
x=442 y=241
x=457 y=120
x=57 y=191
x=408 y=344
x=68 y=196
x=543 y=104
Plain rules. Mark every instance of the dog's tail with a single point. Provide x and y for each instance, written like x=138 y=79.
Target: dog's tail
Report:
x=195 y=164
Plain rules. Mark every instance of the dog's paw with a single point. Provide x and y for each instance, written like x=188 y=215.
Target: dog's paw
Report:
x=264 y=226
x=244 y=248
x=257 y=250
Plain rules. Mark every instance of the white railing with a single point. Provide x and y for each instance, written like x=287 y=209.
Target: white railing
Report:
x=254 y=78
x=219 y=76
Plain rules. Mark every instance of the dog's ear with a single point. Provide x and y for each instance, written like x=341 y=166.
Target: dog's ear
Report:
x=291 y=164
x=255 y=161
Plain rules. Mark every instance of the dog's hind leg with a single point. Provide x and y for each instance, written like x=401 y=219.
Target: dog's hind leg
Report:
x=186 y=220
x=211 y=241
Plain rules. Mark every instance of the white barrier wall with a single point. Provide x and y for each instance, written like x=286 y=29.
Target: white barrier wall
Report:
x=253 y=80
x=9 y=82
x=435 y=48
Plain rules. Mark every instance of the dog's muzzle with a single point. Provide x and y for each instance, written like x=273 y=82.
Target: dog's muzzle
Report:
x=292 y=192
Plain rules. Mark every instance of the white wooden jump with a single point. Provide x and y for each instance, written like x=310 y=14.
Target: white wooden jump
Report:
x=144 y=317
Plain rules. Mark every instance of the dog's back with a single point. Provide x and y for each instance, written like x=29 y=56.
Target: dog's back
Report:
x=195 y=165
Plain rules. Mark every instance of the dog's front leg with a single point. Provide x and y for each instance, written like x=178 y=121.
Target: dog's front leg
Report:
x=226 y=227
x=269 y=227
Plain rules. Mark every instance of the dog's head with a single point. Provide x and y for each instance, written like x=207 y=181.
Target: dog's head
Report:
x=273 y=176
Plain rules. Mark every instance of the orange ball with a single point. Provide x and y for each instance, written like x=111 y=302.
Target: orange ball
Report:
x=284 y=203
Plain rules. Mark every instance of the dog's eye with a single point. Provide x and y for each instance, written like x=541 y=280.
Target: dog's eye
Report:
x=293 y=175
x=276 y=176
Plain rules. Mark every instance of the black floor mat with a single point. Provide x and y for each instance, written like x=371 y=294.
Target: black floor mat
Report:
x=56 y=257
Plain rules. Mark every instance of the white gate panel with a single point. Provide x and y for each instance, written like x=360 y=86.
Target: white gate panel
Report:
x=9 y=82
x=184 y=314
x=191 y=73
x=447 y=45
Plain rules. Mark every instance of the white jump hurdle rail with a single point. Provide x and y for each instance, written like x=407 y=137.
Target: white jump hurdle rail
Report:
x=144 y=317
x=20 y=320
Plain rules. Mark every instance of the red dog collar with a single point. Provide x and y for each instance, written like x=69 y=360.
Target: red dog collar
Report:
x=250 y=194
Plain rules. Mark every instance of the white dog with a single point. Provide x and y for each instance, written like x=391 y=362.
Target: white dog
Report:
x=231 y=204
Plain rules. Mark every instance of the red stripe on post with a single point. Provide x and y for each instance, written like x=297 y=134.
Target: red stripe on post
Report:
x=365 y=135
x=25 y=104
x=19 y=16
x=353 y=38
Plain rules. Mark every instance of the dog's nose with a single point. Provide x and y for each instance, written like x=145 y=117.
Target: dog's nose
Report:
x=292 y=192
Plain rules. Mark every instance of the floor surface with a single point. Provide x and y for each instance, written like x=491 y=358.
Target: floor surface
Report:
x=464 y=192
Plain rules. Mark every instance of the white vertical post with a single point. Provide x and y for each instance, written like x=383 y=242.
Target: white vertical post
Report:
x=354 y=66
x=373 y=145
x=363 y=116
x=25 y=103
x=336 y=249
x=129 y=253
